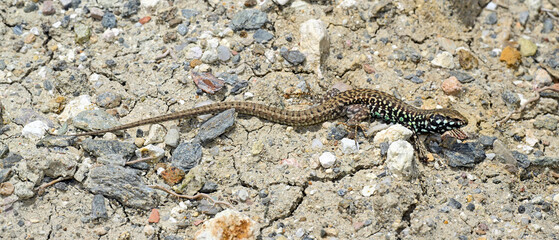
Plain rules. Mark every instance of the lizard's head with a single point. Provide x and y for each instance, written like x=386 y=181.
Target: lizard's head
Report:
x=442 y=120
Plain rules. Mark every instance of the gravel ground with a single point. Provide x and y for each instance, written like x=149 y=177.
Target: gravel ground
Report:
x=74 y=65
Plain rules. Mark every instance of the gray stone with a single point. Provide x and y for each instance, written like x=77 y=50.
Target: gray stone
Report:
x=112 y=159
x=109 y=20
x=107 y=147
x=66 y=3
x=462 y=77
x=11 y=160
x=188 y=14
x=209 y=187
x=551 y=162
x=465 y=154
x=337 y=132
x=27 y=115
x=48 y=8
x=262 y=36
x=30 y=7
x=5 y=174
x=98 y=208
x=547 y=122
x=182 y=29
x=3 y=150
x=521 y=159
x=523 y=17
x=230 y=79
x=487 y=141
x=109 y=100
x=547 y=25
x=248 y=19
x=56 y=141
x=510 y=98
x=293 y=57
x=491 y=19
x=186 y=156
x=123 y=184
x=91 y=120
x=216 y=126
x=172 y=137
x=130 y=8
x=454 y=204
x=223 y=53
x=2 y=65
x=504 y=155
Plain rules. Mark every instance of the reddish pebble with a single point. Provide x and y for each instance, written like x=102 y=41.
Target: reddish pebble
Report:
x=145 y=20
x=368 y=69
x=48 y=8
x=198 y=222
x=451 y=86
x=154 y=216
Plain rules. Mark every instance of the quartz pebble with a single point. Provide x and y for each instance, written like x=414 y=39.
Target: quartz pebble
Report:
x=327 y=160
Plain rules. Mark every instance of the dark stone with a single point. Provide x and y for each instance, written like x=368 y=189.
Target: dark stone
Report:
x=109 y=20
x=189 y=13
x=551 y=162
x=238 y=87
x=98 y=208
x=521 y=209
x=547 y=25
x=337 y=132
x=216 y=126
x=186 y=156
x=471 y=207
x=454 y=204
x=60 y=66
x=262 y=36
x=492 y=18
x=91 y=120
x=30 y=7
x=510 y=98
x=487 y=141
x=248 y=19
x=293 y=57
x=521 y=159
x=209 y=187
x=130 y=8
x=62 y=186
x=122 y=184
x=11 y=160
x=462 y=77
x=465 y=154
x=106 y=147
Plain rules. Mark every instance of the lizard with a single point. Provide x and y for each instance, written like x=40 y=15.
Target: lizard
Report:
x=371 y=104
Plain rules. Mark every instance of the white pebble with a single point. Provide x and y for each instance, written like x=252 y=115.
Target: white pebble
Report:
x=349 y=146
x=243 y=195
x=35 y=129
x=399 y=159
x=327 y=159
x=393 y=133
x=368 y=191
x=150 y=151
x=317 y=144
x=491 y=6
x=444 y=60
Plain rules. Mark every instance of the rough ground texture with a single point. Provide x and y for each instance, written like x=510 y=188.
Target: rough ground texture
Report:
x=59 y=58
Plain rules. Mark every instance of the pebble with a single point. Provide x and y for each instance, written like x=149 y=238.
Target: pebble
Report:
x=91 y=120
x=150 y=151
x=462 y=77
x=523 y=17
x=454 y=204
x=451 y=86
x=444 y=60
x=149 y=230
x=17 y=30
x=98 y=208
x=262 y=36
x=316 y=144
x=547 y=25
x=511 y=56
x=100 y=231
x=243 y=195
x=188 y=14
x=399 y=160
x=294 y=57
x=209 y=187
x=527 y=47
x=154 y=216
x=216 y=126
x=470 y=207
x=487 y=141
x=30 y=7
x=107 y=147
x=327 y=160
x=186 y=156
x=349 y=146
x=510 y=98
x=35 y=129
x=182 y=29
x=48 y=8
x=172 y=137
x=281 y=2
x=248 y=19
x=130 y=8
x=337 y=132
x=112 y=159
x=109 y=100
x=83 y=33
x=541 y=79
x=368 y=191
x=96 y=13
x=392 y=134
x=546 y=122
x=207 y=82
x=237 y=222
x=109 y=20
x=492 y=18
x=223 y=53
x=156 y=134
x=194 y=53
x=465 y=154
x=123 y=184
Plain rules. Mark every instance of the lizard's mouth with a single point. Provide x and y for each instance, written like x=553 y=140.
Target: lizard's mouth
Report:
x=457 y=133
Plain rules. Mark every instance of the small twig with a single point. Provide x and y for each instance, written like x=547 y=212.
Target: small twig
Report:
x=165 y=54
x=41 y=189
x=531 y=100
x=550 y=13
x=194 y=197
x=139 y=160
